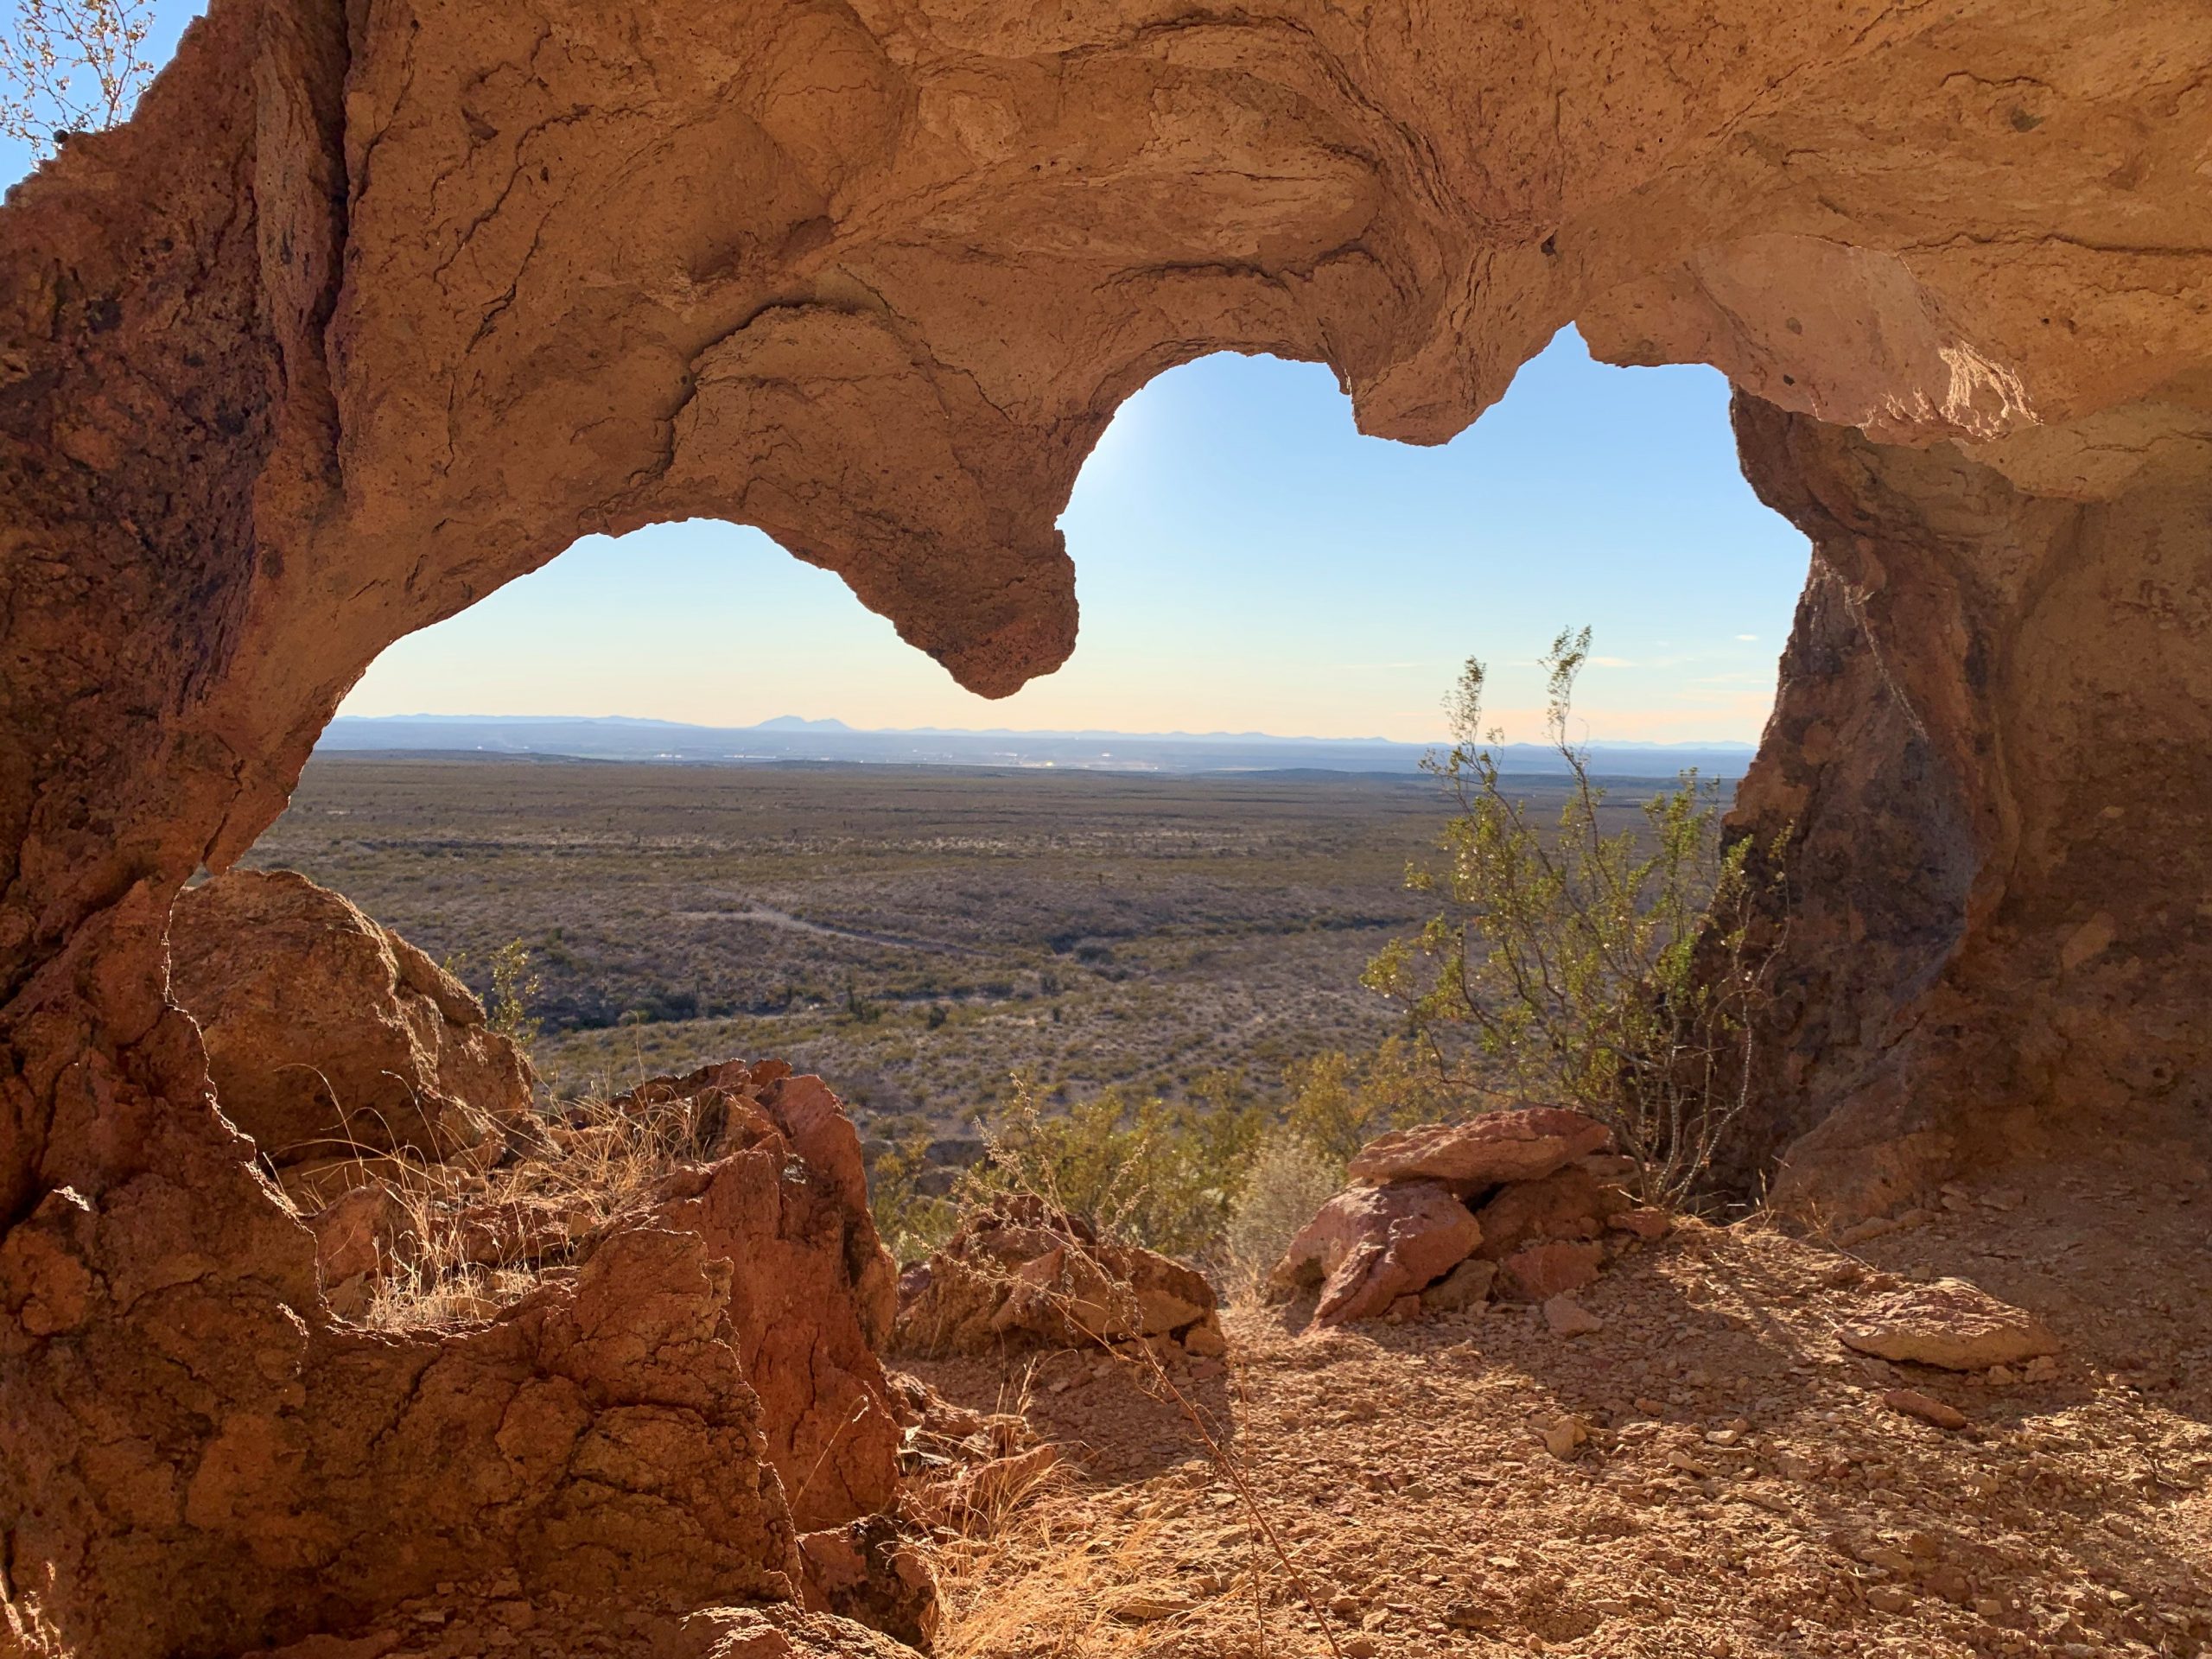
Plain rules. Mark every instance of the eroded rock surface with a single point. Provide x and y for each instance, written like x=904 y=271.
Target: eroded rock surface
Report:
x=330 y=1037
x=1371 y=1245
x=333 y=339
x=813 y=1291
x=1949 y=1324
x=1019 y=1274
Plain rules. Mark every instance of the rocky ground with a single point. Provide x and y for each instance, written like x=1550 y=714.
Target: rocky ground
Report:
x=1712 y=1473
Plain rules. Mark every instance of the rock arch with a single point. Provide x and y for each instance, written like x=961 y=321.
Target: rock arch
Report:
x=375 y=307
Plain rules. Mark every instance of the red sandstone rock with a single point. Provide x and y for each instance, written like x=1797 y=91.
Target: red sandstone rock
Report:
x=1370 y=1246
x=328 y=1034
x=1539 y=1272
x=1951 y=1324
x=1521 y=1145
x=1020 y=1275
x=1569 y=1203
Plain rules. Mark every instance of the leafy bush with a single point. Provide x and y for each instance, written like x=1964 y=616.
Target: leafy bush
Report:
x=912 y=1221
x=1619 y=973
x=1338 y=1103
x=1145 y=1170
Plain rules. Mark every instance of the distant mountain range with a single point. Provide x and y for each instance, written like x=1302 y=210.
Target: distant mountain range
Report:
x=789 y=738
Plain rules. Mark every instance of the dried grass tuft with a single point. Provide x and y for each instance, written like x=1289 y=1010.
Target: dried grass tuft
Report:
x=466 y=1244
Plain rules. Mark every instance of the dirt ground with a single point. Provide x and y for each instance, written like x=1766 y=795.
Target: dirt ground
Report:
x=1742 y=1489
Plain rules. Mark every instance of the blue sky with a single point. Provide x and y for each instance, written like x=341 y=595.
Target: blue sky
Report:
x=1245 y=561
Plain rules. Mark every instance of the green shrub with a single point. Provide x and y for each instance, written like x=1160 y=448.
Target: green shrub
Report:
x=1338 y=1103
x=913 y=1223
x=1619 y=973
x=1145 y=1170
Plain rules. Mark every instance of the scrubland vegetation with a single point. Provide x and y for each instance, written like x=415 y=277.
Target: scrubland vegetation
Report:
x=917 y=936
x=1179 y=1005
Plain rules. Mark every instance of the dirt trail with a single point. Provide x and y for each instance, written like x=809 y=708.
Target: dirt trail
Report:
x=767 y=917
x=1742 y=1489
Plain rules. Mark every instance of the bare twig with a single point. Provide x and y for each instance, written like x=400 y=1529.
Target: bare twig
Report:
x=72 y=66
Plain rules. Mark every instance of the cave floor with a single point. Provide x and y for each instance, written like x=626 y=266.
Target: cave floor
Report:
x=1743 y=1489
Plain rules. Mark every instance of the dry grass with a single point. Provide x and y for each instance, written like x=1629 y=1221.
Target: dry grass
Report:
x=465 y=1243
x=1025 y=1574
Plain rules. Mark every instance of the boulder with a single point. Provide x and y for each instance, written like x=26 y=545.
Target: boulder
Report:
x=1950 y=1324
x=763 y=1168
x=1018 y=1274
x=1370 y=1245
x=1537 y=1273
x=1569 y=1203
x=812 y=1291
x=1522 y=1145
x=330 y=1036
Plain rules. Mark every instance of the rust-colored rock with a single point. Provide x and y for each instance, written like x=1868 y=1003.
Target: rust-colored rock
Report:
x=1536 y=1273
x=333 y=339
x=812 y=1289
x=1371 y=1245
x=1569 y=1203
x=874 y=1573
x=330 y=1036
x=1950 y=1324
x=1018 y=1274
x=475 y=1621
x=1519 y=1144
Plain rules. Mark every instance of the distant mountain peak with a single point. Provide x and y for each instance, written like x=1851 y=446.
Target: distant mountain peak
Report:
x=800 y=723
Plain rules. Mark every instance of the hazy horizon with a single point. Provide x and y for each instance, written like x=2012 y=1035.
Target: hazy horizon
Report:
x=831 y=723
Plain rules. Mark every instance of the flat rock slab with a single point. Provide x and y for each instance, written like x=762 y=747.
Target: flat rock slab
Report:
x=1483 y=1152
x=1950 y=1324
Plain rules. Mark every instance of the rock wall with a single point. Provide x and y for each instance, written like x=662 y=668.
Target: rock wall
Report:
x=373 y=308
x=332 y=1039
x=1995 y=712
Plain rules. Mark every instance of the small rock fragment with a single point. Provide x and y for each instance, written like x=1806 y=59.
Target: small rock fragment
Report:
x=1465 y=1285
x=1543 y=1271
x=1912 y=1402
x=1205 y=1340
x=1149 y=1606
x=1563 y=1437
x=1568 y=1318
x=1865 y=1232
